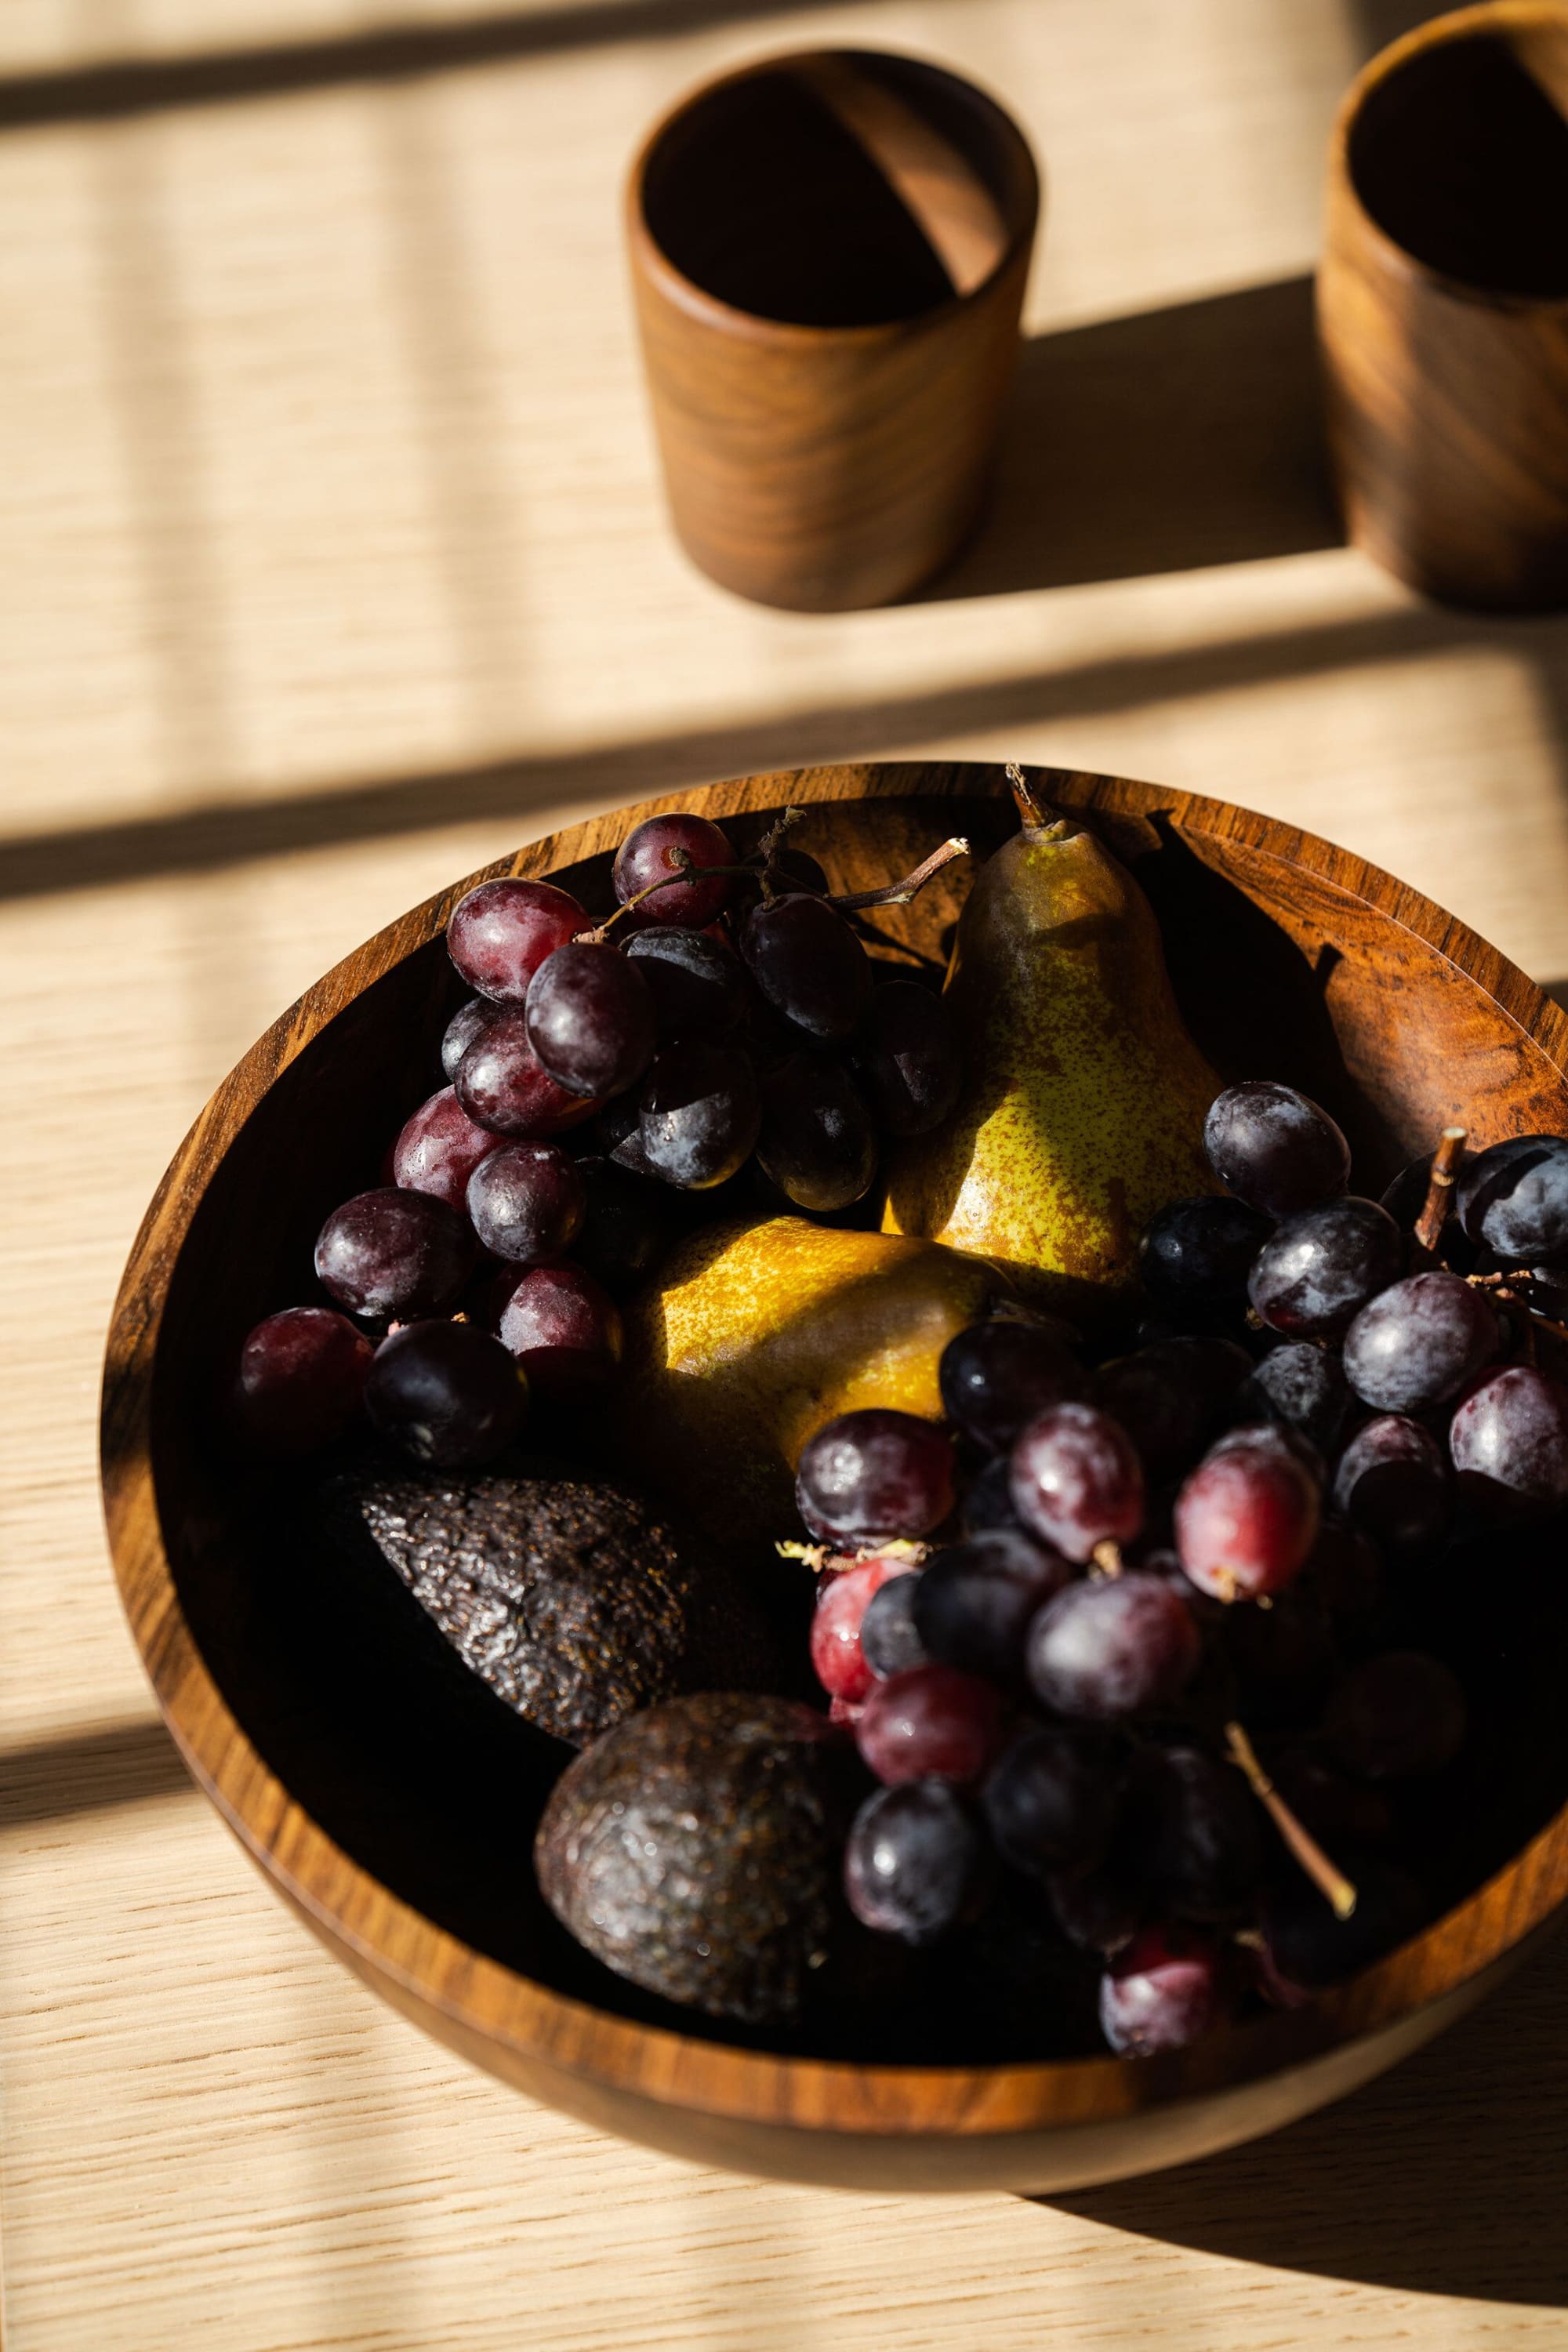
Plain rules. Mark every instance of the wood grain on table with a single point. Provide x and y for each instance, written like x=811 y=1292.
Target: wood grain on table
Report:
x=336 y=565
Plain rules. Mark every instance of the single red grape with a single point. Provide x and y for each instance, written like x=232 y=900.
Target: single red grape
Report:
x=301 y=1376
x=448 y=1393
x=393 y=1254
x=932 y=1724
x=658 y=849
x=503 y=1085
x=875 y=1474
x=590 y=1019
x=439 y=1148
x=1162 y=1992
x=563 y=1328
x=1076 y=1481
x=500 y=934
x=1245 y=1520
x=527 y=1203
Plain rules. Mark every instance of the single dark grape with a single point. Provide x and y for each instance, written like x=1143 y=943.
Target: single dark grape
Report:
x=838 y=1623
x=1311 y=1946
x=808 y=963
x=1282 y=1656
x=447 y=1393
x=460 y=1031
x=974 y=1601
x=698 y=984
x=440 y=1148
x=590 y=1019
x=906 y=1057
x=996 y=1376
x=393 y=1254
x=1318 y=1270
x=1246 y=1519
x=875 y=1474
x=563 y=1328
x=626 y=1224
x=527 y=1203
x=500 y=934
x=658 y=849
x=1396 y=1716
x=301 y=1376
x=1167 y=1397
x=1275 y=1148
x=1301 y=1384
x=988 y=1500
x=1393 y=1481
x=1193 y=1823
x=915 y=1862
x=1162 y=1992
x=1198 y=1253
x=502 y=1084
x=1100 y=1909
x=1051 y=1800
x=1418 y=1342
x=1076 y=1481
x=697 y=1116
x=1103 y=1650
x=817 y=1141
x=932 y=1724
x=890 y=1642
x=802 y=869
x=1513 y=1199
x=1509 y=1440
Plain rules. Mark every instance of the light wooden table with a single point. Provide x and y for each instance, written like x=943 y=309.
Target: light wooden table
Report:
x=335 y=564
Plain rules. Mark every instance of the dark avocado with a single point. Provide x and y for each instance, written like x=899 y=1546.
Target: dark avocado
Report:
x=696 y=1850
x=560 y=1589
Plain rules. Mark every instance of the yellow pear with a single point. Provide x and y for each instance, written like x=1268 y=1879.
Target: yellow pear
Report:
x=755 y=1335
x=1083 y=1101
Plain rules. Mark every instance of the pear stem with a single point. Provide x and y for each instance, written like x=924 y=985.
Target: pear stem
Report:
x=1031 y=809
x=1439 y=1185
x=899 y=894
x=1331 y=1882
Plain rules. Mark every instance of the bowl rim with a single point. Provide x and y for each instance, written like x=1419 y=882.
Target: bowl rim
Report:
x=491 y=2005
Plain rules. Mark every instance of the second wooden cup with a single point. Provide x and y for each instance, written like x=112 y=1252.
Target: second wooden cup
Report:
x=1443 y=307
x=829 y=252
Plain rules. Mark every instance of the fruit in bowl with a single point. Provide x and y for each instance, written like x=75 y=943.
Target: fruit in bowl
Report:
x=1082 y=1835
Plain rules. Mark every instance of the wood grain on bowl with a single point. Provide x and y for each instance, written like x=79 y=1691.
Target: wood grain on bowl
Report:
x=385 y=1808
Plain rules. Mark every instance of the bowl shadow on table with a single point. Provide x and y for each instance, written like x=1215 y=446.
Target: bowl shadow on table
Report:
x=1171 y=439
x=1447 y=2176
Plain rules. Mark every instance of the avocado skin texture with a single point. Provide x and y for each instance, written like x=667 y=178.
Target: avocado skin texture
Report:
x=755 y=1335
x=1083 y=1101
x=695 y=1850
x=566 y=1594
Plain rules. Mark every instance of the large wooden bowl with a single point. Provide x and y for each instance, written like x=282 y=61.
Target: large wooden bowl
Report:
x=351 y=1775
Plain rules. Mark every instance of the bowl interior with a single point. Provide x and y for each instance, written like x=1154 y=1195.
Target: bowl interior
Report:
x=338 y=1679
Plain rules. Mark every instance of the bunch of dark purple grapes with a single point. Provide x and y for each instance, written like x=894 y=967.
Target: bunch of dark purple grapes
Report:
x=726 y=1014
x=1146 y=1665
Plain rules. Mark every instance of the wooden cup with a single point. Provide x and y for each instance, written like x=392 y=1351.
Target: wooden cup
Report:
x=829 y=252
x=1443 y=307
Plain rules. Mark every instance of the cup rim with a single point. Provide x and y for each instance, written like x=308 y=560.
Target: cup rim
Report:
x=729 y=318
x=1460 y=25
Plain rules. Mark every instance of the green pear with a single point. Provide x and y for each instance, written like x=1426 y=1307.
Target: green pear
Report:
x=1084 y=1098
x=755 y=1335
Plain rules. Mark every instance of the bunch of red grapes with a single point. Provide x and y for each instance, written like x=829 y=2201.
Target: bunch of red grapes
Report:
x=1205 y=1540
x=726 y=1016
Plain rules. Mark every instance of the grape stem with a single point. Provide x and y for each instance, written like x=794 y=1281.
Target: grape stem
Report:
x=1433 y=1214
x=1106 y=1556
x=1331 y=1882
x=899 y=894
x=819 y=1558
